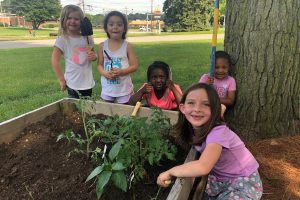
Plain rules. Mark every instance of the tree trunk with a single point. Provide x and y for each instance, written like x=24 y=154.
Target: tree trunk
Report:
x=263 y=38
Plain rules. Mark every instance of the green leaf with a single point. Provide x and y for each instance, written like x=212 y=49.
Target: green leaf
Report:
x=61 y=136
x=102 y=181
x=118 y=166
x=151 y=158
x=115 y=149
x=170 y=156
x=95 y=172
x=119 y=179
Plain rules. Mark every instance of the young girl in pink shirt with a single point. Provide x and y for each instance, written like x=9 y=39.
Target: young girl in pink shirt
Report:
x=231 y=168
x=160 y=90
x=223 y=83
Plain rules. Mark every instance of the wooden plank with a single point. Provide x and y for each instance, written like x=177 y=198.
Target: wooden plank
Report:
x=119 y=109
x=12 y=128
x=182 y=186
x=109 y=109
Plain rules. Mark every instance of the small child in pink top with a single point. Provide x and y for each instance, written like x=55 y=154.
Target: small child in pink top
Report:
x=224 y=84
x=160 y=90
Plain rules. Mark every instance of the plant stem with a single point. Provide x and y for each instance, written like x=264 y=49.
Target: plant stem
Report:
x=29 y=192
x=155 y=198
x=85 y=128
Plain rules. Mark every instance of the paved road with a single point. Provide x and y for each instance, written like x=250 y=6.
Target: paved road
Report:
x=49 y=43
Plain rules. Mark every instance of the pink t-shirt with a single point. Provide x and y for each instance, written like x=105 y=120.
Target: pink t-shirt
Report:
x=222 y=86
x=235 y=160
x=167 y=102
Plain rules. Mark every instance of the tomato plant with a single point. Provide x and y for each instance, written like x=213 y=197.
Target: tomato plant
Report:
x=132 y=143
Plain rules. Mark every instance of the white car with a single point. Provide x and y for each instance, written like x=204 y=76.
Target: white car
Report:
x=144 y=29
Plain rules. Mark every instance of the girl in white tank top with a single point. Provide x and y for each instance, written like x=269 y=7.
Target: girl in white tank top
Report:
x=116 y=60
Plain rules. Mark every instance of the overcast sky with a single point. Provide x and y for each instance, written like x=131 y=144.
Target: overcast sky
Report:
x=132 y=6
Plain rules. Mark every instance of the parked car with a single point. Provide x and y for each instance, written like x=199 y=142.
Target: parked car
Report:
x=144 y=29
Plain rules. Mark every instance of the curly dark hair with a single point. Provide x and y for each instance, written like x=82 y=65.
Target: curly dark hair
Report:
x=158 y=65
x=225 y=55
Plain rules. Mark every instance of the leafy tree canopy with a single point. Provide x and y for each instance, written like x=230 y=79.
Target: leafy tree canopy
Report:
x=136 y=16
x=222 y=7
x=36 y=11
x=96 y=20
x=188 y=15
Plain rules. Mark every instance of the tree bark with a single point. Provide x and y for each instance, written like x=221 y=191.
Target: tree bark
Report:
x=263 y=38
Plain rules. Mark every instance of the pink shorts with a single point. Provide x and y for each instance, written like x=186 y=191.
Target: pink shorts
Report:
x=121 y=99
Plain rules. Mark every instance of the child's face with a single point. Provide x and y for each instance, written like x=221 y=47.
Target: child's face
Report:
x=115 y=27
x=73 y=22
x=158 y=79
x=221 y=68
x=196 y=108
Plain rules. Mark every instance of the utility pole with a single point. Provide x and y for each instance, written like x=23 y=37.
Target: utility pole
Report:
x=151 y=16
x=1 y=7
x=81 y=4
x=126 y=9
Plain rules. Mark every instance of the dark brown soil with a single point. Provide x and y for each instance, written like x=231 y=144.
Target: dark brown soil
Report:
x=35 y=166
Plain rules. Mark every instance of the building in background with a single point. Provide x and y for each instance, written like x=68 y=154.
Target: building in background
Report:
x=140 y=23
x=13 y=20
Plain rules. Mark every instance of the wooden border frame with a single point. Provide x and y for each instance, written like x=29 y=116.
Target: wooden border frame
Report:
x=11 y=129
x=183 y=186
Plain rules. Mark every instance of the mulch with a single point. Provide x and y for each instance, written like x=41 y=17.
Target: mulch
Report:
x=279 y=161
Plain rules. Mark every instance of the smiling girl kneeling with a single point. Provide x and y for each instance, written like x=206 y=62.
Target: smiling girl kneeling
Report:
x=232 y=170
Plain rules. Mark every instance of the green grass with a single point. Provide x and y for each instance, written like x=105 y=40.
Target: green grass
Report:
x=28 y=81
x=23 y=34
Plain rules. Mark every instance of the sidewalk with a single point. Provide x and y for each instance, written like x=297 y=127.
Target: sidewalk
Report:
x=49 y=43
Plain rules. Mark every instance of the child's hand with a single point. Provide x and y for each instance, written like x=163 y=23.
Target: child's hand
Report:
x=223 y=109
x=91 y=54
x=164 y=179
x=170 y=84
x=63 y=85
x=109 y=75
x=210 y=80
x=147 y=88
x=117 y=72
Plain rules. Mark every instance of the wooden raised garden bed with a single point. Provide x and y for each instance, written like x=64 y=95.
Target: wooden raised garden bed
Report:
x=15 y=128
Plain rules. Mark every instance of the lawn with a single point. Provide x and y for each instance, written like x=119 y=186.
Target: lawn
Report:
x=28 y=81
x=15 y=33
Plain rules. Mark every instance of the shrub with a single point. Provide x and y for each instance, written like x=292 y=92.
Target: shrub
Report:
x=50 y=25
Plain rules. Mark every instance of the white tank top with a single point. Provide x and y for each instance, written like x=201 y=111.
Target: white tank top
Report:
x=121 y=86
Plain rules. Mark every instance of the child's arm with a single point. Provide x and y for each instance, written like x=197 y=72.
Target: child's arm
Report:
x=91 y=54
x=176 y=92
x=229 y=100
x=147 y=88
x=56 y=55
x=201 y=167
x=133 y=65
x=106 y=74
